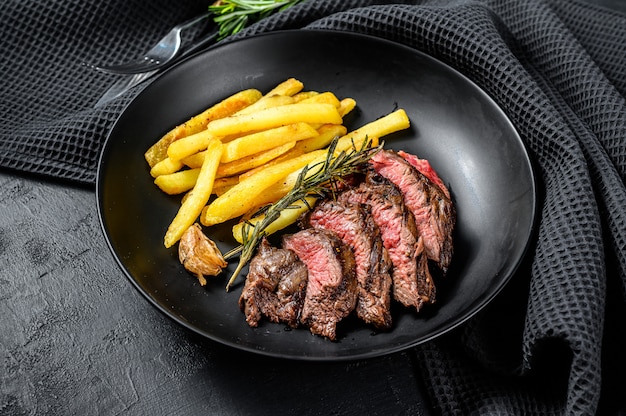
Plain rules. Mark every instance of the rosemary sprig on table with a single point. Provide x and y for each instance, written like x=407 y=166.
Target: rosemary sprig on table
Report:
x=317 y=180
x=233 y=15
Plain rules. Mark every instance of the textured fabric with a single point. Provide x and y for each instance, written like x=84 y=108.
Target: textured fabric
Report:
x=552 y=342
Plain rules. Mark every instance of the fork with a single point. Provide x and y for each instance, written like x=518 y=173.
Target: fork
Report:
x=157 y=57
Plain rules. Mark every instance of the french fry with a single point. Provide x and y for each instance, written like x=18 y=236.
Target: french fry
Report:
x=224 y=108
x=189 y=145
x=253 y=161
x=266 y=139
x=242 y=197
x=194 y=161
x=275 y=117
x=287 y=217
x=395 y=121
x=391 y=123
x=177 y=182
x=241 y=165
x=325 y=97
x=221 y=185
x=198 y=196
x=267 y=102
x=326 y=134
x=346 y=105
x=289 y=87
x=303 y=95
x=165 y=167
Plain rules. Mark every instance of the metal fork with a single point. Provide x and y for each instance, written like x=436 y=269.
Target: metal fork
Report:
x=160 y=54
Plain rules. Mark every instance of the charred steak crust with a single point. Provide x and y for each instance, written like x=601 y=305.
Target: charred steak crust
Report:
x=412 y=283
x=434 y=213
x=275 y=287
x=354 y=225
x=331 y=291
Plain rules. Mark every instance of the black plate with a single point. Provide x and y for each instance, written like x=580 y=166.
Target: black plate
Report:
x=455 y=125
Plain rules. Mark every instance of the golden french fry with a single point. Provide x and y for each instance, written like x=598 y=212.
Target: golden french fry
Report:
x=221 y=185
x=224 y=108
x=266 y=139
x=287 y=217
x=391 y=123
x=194 y=161
x=325 y=97
x=189 y=145
x=267 y=102
x=242 y=197
x=346 y=105
x=198 y=196
x=241 y=165
x=253 y=161
x=326 y=134
x=178 y=182
x=165 y=167
x=303 y=95
x=289 y=87
x=275 y=117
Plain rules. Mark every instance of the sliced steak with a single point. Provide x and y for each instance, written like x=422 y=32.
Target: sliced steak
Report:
x=275 y=286
x=331 y=291
x=426 y=169
x=353 y=224
x=434 y=213
x=412 y=284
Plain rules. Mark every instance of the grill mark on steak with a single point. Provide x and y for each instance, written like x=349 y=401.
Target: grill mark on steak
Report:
x=275 y=286
x=354 y=225
x=412 y=284
x=434 y=213
x=331 y=290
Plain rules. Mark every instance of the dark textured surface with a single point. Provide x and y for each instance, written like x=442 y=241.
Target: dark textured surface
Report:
x=75 y=337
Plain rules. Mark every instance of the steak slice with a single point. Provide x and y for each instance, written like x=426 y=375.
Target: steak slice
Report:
x=412 y=283
x=331 y=291
x=275 y=286
x=425 y=169
x=434 y=213
x=353 y=224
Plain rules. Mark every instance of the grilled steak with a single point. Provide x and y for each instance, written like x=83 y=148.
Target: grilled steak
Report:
x=425 y=169
x=353 y=224
x=434 y=213
x=275 y=286
x=331 y=290
x=412 y=284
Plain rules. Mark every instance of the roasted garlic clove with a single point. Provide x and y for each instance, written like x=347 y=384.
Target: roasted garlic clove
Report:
x=199 y=254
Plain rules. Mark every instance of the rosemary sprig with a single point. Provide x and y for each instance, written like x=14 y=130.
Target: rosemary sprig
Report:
x=319 y=179
x=233 y=15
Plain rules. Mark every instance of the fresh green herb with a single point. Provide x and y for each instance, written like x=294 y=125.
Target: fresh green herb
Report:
x=233 y=15
x=318 y=180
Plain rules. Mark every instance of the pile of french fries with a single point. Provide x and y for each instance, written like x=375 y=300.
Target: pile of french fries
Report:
x=248 y=150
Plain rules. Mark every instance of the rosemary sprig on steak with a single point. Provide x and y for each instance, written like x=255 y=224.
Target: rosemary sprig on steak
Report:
x=319 y=180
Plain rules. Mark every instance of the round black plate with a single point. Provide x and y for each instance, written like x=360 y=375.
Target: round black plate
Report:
x=466 y=137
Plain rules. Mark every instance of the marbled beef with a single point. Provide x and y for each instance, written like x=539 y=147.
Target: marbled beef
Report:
x=434 y=213
x=331 y=291
x=412 y=283
x=354 y=225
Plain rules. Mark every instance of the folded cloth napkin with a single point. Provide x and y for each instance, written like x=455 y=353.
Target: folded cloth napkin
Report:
x=552 y=342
